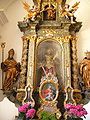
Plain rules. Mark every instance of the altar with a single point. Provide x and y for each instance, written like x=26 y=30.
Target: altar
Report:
x=49 y=56
x=49 y=69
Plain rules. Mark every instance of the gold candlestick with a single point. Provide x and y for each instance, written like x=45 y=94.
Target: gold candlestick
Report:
x=2 y=46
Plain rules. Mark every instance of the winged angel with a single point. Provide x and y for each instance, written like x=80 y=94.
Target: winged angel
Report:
x=32 y=12
x=68 y=11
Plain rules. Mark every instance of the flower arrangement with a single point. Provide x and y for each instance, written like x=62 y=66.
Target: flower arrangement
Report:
x=75 y=112
x=25 y=111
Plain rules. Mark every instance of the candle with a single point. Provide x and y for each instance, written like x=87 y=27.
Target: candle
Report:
x=68 y=71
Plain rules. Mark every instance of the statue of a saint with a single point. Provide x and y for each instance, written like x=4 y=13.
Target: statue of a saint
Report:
x=11 y=69
x=85 y=70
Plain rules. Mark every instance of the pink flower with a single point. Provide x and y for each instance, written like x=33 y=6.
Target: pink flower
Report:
x=30 y=113
x=79 y=107
x=84 y=111
x=75 y=111
x=68 y=106
x=23 y=108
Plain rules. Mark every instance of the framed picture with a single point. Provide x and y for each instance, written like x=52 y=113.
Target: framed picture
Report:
x=48 y=91
x=49 y=59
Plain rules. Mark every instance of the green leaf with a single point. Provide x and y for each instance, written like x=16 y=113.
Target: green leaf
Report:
x=21 y=114
x=47 y=116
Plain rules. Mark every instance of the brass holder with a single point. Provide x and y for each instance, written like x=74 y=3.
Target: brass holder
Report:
x=2 y=46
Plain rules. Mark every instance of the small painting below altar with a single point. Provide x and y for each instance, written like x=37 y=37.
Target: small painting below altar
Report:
x=48 y=91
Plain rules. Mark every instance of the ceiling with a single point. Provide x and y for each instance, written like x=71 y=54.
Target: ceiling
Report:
x=5 y=3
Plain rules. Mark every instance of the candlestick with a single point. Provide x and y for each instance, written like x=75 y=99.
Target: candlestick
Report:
x=68 y=71
x=2 y=46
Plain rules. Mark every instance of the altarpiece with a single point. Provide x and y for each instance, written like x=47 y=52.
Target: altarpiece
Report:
x=49 y=56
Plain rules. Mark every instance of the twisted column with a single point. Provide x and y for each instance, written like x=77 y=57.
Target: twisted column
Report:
x=74 y=62
x=31 y=61
x=24 y=63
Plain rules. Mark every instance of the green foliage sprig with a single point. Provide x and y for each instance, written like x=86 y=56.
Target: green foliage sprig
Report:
x=47 y=116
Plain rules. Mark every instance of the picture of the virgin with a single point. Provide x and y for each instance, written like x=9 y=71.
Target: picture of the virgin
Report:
x=48 y=92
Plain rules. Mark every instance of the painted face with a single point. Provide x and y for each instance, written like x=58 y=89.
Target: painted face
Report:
x=11 y=53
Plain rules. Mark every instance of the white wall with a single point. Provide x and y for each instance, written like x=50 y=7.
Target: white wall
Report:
x=83 y=16
x=84 y=35
x=11 y=34
x=7 y=110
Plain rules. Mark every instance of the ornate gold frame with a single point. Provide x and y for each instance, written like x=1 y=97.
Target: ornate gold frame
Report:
x=52 y=104
x=64 y=40
x=46 y=82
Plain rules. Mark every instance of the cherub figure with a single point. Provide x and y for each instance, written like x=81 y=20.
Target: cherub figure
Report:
x=32 y=12
x=69 y=12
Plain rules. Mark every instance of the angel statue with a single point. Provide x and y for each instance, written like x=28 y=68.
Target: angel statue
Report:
x=32 y=12
x=68 y=11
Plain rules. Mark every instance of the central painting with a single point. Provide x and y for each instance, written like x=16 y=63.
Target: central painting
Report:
x=49 y=60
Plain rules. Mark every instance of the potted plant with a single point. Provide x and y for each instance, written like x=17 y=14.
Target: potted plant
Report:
x=26 y=112
x=75 y=112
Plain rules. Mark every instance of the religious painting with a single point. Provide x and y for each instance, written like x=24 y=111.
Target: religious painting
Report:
x=49 y=12
x=49 y=60
x=48 y=92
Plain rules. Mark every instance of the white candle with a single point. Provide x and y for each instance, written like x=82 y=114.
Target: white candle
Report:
x=68 y=71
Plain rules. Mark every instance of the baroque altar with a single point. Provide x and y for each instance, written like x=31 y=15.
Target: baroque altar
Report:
x=49 y=56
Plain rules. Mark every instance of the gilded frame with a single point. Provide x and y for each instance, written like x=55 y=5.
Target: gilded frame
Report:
x=64 y=43
x=51 y=83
